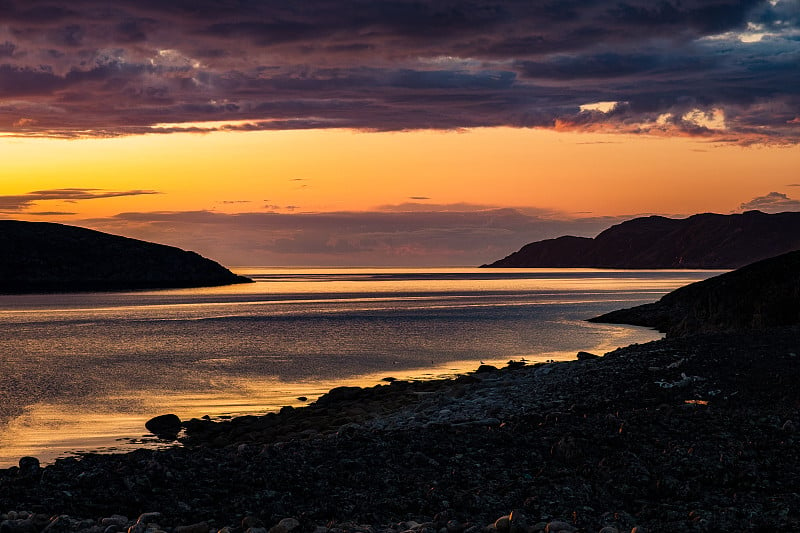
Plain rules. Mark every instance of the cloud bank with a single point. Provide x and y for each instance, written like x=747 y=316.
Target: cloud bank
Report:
x=722 y=69
x=458 y=235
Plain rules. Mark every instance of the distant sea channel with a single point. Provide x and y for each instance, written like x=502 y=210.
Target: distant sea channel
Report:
x=83 y=372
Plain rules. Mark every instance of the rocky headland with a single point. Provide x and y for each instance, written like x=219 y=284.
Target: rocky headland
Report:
x=761 y=295
x=695 y=432
x=706 y=240
x=48 y=257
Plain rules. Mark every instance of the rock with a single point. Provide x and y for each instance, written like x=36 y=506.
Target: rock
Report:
x=142 y=522
x=587 y=356
x=18 y=526
x=116 y=519
x=285 y=525
x=289 y=524
x=58 y=524
x=557 y=526
x=29 y=466
x=485 y=369
x=518 y=522
x=503 y=524
x=164 y=426
x=251 y=521
x=199 y=527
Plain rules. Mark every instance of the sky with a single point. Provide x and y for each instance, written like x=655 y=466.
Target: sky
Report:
x=393 y=133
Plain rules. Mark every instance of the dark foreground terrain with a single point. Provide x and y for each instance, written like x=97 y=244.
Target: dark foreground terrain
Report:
x=698 y=433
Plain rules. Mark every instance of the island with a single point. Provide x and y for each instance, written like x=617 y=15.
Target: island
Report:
x=49 y=257
x=703 y=241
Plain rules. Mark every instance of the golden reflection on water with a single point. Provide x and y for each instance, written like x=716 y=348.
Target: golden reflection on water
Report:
x=109 y=421
x=116 y=424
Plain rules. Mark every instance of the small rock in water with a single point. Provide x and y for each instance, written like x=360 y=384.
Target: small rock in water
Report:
x=586 y=356
x=302 y=398
x=164 y=426
x=485 y=369
x=28 y=466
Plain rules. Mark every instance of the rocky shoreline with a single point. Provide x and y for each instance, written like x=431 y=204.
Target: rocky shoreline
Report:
x=696 y=433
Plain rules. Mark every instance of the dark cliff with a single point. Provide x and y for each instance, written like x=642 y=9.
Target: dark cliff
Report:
x=700 y=241
x=47 y=257
x=758 y=296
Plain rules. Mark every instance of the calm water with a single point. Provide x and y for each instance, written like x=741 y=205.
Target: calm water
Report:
x=82 y=371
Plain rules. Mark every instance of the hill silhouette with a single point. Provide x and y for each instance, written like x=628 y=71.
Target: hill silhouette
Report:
x=49 y=257
x=701 y=241
x=758 y=296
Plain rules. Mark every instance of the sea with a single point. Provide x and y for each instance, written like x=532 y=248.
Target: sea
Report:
x=82 y=372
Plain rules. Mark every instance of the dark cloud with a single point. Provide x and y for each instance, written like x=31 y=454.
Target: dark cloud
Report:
x=774 y=202
x=21 y=202
x=441 y=235
x=91 y=68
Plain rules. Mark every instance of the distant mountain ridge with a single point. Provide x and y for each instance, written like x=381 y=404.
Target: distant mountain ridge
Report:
x=761 y=295
x=49 y=257
x=700 y=241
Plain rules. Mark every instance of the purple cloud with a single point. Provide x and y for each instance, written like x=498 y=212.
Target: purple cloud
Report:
x=92 y=68
x=774 y=202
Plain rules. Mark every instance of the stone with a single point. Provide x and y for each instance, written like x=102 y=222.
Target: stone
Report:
x=58 y=524
x=164 y=426
x=503 y=524
x=485 y=369
x=251 y=521
x=29 y=466
x=142 y=522
x=557 y=526
x=199 y=527
x=518 y=523
x=289 y=523
x=587 y=356
x=115 y=519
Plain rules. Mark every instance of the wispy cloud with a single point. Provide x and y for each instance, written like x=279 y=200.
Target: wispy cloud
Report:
x=22 y=202
x=717 y=69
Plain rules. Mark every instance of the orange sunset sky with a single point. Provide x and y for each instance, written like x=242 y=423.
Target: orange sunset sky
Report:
x=275 y=135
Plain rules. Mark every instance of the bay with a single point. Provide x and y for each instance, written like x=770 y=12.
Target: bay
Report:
x=83 y=372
